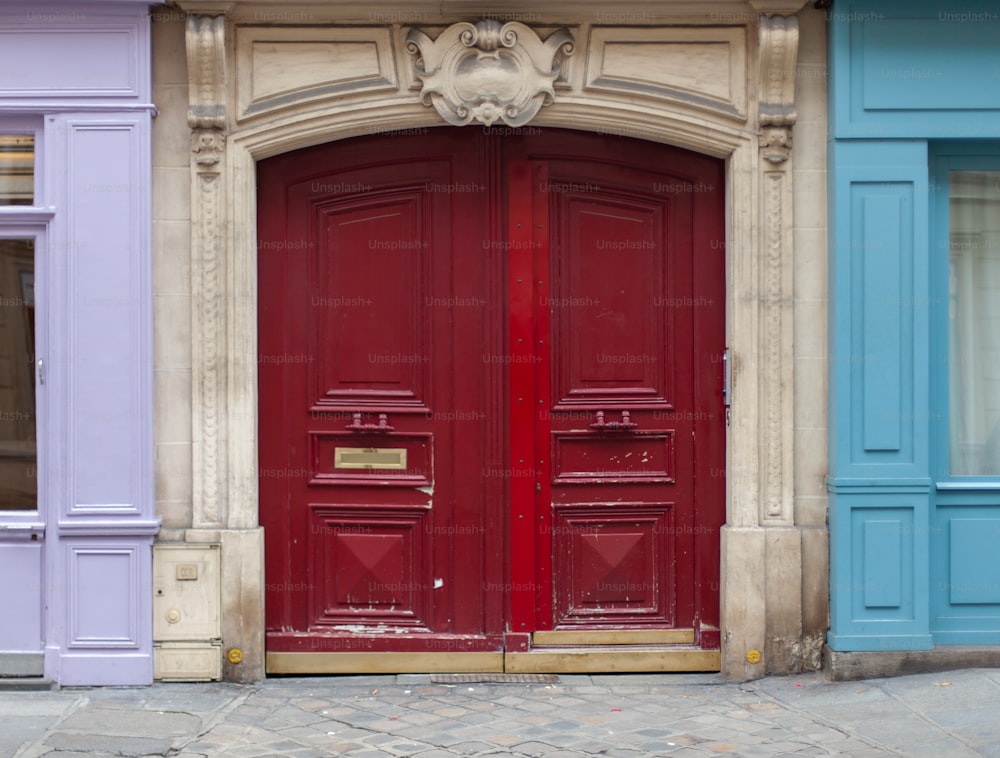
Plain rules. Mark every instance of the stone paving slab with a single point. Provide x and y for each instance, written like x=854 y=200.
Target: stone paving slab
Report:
x=954 y=714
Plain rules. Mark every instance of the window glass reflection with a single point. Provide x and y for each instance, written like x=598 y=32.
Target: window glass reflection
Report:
x=974 y=323
x=18 y=473
x=17 y=169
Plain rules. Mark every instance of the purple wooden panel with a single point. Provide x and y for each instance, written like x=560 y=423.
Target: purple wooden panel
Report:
x=99 y=628
x=21 y=597
x=133 y=669
x=103 y=597
x=87 y=61
x=106 y=261
x=85 y=53
x=100 y=625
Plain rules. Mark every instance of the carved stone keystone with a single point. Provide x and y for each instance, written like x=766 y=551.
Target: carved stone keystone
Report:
x=488 y=71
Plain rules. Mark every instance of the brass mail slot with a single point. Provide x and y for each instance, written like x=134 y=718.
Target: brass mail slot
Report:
x=369 y=457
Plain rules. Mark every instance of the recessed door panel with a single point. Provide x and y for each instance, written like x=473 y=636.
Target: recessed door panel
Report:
x=606 y=328
x=615 y=563
x=372 y=271
x=371 y=567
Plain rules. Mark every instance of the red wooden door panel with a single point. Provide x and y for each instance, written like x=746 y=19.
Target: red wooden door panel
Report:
x=629 y=425
x=373 y=429
x=490 y=389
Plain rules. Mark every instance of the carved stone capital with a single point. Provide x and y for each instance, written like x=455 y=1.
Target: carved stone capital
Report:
x=488 y=71
x=779 y=46
x=206 y=64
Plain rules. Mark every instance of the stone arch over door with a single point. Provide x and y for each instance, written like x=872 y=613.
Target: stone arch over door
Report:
x=749 y=127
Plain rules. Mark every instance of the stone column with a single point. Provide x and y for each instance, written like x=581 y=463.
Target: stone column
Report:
x=207 y=118
x=763 y=611
x=214 y=520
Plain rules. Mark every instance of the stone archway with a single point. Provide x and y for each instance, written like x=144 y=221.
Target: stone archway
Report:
x=242 y=111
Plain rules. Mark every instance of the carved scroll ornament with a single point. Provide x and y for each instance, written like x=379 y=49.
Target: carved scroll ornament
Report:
x=488 y=71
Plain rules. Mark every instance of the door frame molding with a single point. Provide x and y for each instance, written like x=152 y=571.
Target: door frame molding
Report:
x=761 y=546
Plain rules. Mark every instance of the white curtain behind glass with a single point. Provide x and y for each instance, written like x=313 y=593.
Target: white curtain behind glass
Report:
x=974 y=323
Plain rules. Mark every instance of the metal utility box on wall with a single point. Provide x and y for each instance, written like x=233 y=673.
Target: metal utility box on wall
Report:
x=187 y=619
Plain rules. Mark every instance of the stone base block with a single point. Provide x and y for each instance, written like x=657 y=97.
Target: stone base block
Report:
x=187 y=661
x=851 y=666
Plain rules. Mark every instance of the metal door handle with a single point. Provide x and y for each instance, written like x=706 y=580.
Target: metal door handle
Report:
x=727 y=379
x=381 y=426
x=625 y=425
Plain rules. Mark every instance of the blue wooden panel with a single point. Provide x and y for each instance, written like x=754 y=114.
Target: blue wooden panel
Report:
x=975 y=570
x=882 y=348
x=901 y=69
x=965 y=570
x=882 y=318
x=925 y=64
x=883 y=564
x=879 y=320
x=879 y=570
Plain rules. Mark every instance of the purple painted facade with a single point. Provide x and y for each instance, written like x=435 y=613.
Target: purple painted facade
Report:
x=77 y=572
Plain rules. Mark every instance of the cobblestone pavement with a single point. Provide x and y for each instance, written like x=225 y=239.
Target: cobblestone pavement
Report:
x=950 y=715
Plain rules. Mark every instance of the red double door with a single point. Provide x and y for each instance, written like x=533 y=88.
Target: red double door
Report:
x=490 y=388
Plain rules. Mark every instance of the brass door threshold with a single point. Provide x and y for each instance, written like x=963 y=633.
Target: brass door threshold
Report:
x=613 y=637
x=614 y=659
x=383 y=663
x=592 y=659
x=552 y=652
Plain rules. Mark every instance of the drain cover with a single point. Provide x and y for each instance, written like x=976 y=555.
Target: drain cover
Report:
x=494 y=679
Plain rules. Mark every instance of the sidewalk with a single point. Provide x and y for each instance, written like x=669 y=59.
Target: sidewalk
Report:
x=949 y=715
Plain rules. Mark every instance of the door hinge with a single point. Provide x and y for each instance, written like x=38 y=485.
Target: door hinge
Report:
x=41 y=371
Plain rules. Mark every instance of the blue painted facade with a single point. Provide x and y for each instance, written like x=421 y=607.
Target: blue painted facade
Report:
x=915 y=553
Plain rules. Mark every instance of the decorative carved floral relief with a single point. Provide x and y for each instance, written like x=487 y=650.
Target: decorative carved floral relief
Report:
x=208 y=146
x=488 y=71
x=776 y=143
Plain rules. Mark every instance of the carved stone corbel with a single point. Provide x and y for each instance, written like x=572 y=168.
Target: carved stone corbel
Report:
x=779 y=46
x=206 y=59
x=488 y=71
